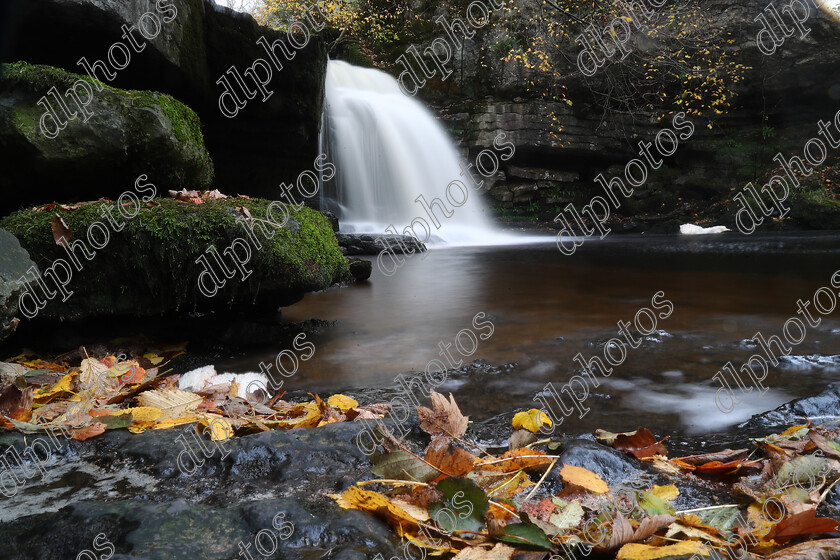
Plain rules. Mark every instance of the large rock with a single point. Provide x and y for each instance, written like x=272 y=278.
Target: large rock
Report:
x=265 y=144
x=129 y=133
x=154 y=264
x=14 y=264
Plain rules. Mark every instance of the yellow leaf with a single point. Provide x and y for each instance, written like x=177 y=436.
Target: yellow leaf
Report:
x=144 y=413
x=172 y=403
x=220 y=427
x=154 y=358
x=61 y=386
x=667 y=493
x=583 y=478
x=169 y=423
x=531 y=420
x=636 y=551
x=342 y=402
x=310 y=419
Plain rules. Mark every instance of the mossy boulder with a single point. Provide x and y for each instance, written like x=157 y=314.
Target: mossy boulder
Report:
x=128 y=133
x=154 y=263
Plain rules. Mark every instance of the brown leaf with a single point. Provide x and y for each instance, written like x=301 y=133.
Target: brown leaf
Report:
x=641 y=444
x=61 y=232
x=651 y=525
x=445 y=419
x=807 y=550
x=622 y=533
x=450 y=460
x=89 y=431
x=823 y=444
x=804 y=523
x=724 y=456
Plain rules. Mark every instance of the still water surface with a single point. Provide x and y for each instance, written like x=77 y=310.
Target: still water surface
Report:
x=547 y=307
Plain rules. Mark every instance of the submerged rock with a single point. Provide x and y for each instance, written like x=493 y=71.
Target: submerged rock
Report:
x=128 y=134
x=367 y=244
x=176 y=256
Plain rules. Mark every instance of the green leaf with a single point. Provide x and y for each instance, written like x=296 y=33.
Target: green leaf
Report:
x=805 y=469
x=465 y=502
x=116 y=421
x=402 y=465
x=654 y=505
x=721 y=518
x=525 y=534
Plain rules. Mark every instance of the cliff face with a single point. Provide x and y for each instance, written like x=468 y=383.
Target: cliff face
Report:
x=561 y=148
x=194 y=45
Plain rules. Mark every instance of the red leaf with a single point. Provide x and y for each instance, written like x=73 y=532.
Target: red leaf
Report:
x=641 y=444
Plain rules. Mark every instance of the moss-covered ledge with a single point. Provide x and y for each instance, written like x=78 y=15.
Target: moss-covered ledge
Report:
x=150 y=266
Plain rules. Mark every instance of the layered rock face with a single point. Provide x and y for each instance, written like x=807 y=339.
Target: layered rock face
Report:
x=191 y=45
x=560 y=149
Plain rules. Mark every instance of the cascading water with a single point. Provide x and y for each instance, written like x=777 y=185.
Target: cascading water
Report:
x=390 y=151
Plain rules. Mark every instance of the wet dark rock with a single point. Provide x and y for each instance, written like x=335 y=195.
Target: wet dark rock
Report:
x=613 y=466
x=130 y=488
x=820 y=408
x=360 y=269
x=367 y=244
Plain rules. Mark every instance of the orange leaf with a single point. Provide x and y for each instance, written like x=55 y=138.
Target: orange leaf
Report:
x=583 y=478
x=450 y=460
x=89 y=431
x=511 y=461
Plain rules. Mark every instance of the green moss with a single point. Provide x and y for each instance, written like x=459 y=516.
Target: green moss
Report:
x=186 y=126
x=152 y=264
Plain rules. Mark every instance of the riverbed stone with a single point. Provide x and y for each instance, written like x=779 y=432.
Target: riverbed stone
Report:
x=820 y=408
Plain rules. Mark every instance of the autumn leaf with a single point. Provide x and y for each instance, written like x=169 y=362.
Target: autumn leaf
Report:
x=403 y=465
x=647 y=552
x=450 y=460
x=583 y=478
x=804 y=523
x=220 y=428
x=342 y=402
x=498 y=552
x=446 y=418
x=466 y=503
x=518 y=459
x=89 y=431
x=61 y=232
x=640 y=444
x=531 y=420
x=172 y=403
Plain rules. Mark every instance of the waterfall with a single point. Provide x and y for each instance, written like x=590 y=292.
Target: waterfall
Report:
x=389 y=151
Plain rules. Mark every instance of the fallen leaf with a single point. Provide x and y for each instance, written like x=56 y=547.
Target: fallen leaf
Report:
x=445 y=419
x=646 y=552
x=498 y=552
x=569 y=517
x=342 y=402
x=531 y=420
x=88 y=431
x=465 y=502
x=641 y=444
x=61 y=232
x=220 y=428
x=526 y=534
x=807 y=550
x=804 y=523
x=172 y=403
x=450 y=460
x=583 y=478
x=511 y=461
x=402 y=465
